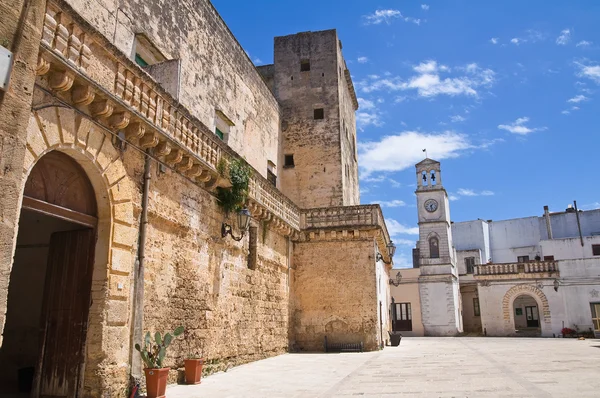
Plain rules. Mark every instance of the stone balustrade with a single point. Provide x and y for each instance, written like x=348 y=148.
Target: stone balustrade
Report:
x=537 y=267
x=348 y=217
x=112 y=90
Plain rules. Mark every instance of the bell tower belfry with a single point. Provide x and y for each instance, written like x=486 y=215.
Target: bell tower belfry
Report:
x=438 y=282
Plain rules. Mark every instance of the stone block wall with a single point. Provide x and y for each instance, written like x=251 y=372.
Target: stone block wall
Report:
x=335 y=293
x=216 y=73
x=316 y=180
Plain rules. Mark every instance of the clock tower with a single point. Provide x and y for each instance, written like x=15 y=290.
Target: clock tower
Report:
x=438 y=281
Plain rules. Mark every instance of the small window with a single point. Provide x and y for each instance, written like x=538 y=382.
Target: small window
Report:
x=476 y=309
x=319 y=113
x=304 y=65
x=222 y=125
x=146 y=53
x=271 y=173
x=434 y=247
x=523 y=259
x=596 y=250
x=288 y=161
x=470 y=263
x=548 y=258
x=140 y=61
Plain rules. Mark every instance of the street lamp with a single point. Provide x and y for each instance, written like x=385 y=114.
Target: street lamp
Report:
x=391 y=248
x=243 y=221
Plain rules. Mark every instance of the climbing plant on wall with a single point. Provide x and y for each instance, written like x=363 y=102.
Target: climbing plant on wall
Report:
x=238 y=172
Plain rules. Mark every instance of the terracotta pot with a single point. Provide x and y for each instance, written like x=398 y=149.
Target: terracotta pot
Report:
x=193 y=370
x=156 y=382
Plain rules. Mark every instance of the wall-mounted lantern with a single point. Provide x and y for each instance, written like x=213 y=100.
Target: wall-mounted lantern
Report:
x=556 y=284
x=391 y=250
x=243 y=220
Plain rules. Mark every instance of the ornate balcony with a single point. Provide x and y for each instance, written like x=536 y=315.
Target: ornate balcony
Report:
x=84 y=71
x=537 y=269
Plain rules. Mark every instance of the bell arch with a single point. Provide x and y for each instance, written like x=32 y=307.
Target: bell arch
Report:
x=57 y=133
x=538 y=295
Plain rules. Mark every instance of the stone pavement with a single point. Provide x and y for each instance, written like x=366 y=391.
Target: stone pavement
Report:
x=420 y=367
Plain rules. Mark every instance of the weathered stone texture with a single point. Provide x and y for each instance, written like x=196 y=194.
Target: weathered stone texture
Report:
x=320 y=148
x=216 y=73
x=335 y=293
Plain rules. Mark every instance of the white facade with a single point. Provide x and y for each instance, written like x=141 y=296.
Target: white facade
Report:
x=531 y=276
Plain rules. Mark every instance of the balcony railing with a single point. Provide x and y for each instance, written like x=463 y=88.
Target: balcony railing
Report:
x=536 y=267
x=344 y=216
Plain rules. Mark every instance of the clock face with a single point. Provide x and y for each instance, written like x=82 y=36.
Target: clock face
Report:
x=431 y=205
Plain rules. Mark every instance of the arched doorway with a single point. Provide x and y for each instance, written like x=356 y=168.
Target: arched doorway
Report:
x=50 y=282
x=526 y=315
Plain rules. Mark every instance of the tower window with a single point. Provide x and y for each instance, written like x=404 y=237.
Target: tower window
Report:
x=271 y=173
x=434 y=247
x=288 y=161
x=470 y=263
x=319 y=113
x=222 y=125
x=596 y=250
x=304 y=65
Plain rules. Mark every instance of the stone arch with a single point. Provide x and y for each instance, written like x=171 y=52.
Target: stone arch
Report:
x=433 y=244
x=61 y=129
x=537 y=294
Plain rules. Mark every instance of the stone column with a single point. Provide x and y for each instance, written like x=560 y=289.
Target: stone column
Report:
x=20 y=32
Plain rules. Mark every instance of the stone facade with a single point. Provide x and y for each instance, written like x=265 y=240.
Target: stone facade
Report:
x=129 y=127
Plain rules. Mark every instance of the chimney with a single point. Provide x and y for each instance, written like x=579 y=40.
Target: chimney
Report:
x=548 y=224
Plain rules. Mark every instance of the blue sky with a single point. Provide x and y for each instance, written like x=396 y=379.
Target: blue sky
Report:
x=504 y=94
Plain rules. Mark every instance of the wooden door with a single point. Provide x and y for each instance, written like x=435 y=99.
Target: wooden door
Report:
x=402 y=317
x=531 y=314
x=65 y=313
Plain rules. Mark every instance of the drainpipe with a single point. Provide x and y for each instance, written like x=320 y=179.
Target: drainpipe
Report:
x=138 y=279
x=548 y=224
x=578 y=223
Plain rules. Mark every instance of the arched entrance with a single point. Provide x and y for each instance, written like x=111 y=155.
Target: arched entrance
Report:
x=50 y=282
x=526 y=316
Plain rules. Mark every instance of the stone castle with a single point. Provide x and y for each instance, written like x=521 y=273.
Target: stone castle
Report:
x=117 y=127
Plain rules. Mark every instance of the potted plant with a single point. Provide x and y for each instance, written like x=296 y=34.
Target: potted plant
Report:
x=395 y=338
x=193 y=365
x=153 y=355
x=568 y=332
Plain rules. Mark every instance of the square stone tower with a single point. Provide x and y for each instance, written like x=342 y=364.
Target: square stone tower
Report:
x=438 y=283
x=313 y=87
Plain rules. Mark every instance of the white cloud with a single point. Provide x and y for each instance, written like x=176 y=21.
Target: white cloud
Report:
x=428 y=81
x=362 y=60
x=564 y=38
x=391 y=203
x=565 y=112
x=578 y=98
x=574 y=108
x=405 y=242
x=364 y=119
x=365 y=103
x=405 y=149
x=518 y=127
x=584 y=43
x=531 y=36
x=425 y=7
x=388 y=16
x=516 y=40
x=395 y=228
x=494 y=40
x=380 y=16
x=453 y=197
x=457 y=118
x=589 y=71
x=470 y=192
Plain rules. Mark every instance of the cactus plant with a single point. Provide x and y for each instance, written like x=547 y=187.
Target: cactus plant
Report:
x=153 y=354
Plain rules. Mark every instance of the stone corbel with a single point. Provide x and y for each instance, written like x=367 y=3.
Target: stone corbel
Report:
x=149 y=140
x=205 y=176
x=135 y=130
x=83 y=95
x=174 y=157
x=119 y=120
x=101 y=108
x=43 y=66
x=61 y=81
x=195 y=171
x=185 y=164
x=163 y=148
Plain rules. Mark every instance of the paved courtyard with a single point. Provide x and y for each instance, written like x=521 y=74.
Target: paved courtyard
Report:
x=420 y=367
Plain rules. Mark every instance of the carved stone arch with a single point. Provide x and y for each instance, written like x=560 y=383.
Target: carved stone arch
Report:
x=53 y=130
x=518 y=290
x=433 y=243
